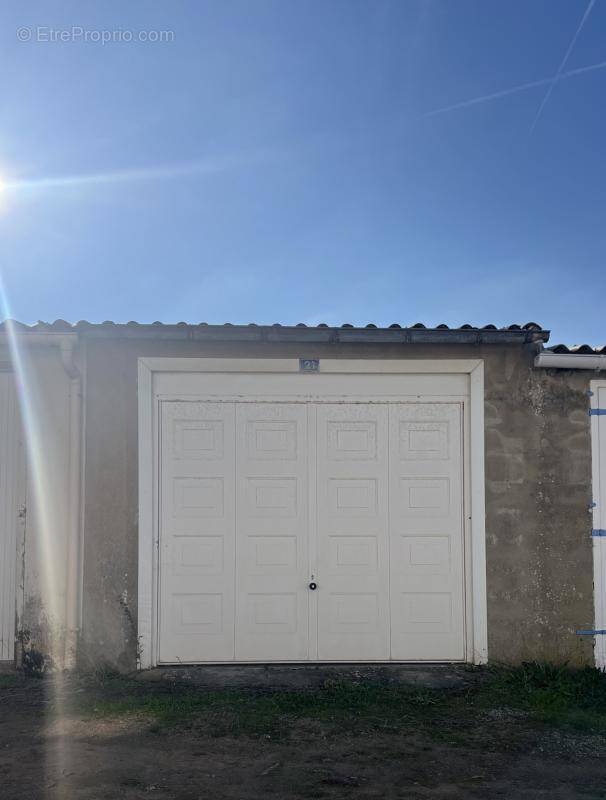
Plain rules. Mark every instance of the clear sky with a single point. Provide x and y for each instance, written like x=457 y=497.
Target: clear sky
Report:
x=281 y=161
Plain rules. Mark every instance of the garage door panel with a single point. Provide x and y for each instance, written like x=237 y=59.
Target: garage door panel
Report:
x=197 y=513
x=354 y=612
x=426 y=532
x=272 y=625
x=197 y=497
x=425 y=612
x=352 y=513
x=272 y=532
x=198 y=555
x=271 y=440
x=428 y=622
x=272 y=612
x=195 y=439
x=197 y=613
x=272 y=555
x=424 y=497
x=424 y=441
x=423 y=554
x=352 y=497
x=199 y=630
x=270 y=497
x=352 y=555
x=351 y=440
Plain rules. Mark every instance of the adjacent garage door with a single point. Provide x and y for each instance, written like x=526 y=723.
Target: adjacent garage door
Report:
x=598 y=444
x=12 y=503
x=320 y=531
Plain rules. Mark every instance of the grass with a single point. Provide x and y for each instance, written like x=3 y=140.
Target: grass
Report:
x=9 y=679
x=550 y=693
x=538 y=693
x=370 y=705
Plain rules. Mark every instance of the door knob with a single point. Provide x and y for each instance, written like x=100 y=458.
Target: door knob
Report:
x=313 y=586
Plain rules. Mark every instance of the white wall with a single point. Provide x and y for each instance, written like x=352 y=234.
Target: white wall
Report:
x=12 y=504
x=42 y=555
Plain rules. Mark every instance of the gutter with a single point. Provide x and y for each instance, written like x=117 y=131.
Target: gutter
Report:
x=312 y=335
x=300 y=333
x=548 y=360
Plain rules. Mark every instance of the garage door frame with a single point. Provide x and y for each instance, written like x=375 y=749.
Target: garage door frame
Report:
x=475 y=583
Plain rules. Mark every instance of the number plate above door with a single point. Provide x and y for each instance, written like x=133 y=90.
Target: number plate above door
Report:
x=309 y=365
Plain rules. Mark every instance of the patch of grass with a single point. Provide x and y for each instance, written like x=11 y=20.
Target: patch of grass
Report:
x=352 y=706
x=513 y=697
x=552 y=693
x=9 y=679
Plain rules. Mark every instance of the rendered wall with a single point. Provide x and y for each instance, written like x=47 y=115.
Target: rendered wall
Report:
x=538 y=486
x=538 y=527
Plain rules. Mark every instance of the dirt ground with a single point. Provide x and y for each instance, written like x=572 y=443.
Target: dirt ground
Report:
x=341 y=736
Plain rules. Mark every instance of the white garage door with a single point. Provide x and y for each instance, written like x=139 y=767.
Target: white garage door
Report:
x=598 y=429
x=294 y=531
x=12 y=502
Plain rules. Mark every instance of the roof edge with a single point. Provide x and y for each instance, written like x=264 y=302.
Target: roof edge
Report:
x=346 y=334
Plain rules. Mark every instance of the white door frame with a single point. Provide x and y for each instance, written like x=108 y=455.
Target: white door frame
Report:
x=598 y=465
x=475 y=584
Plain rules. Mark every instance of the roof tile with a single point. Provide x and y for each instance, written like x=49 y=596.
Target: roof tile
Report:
x=580 y=349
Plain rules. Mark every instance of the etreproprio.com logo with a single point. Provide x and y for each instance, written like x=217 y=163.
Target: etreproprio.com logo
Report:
x=79 y=34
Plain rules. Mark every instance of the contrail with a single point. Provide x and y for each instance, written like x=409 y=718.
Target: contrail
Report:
x=514 y=90
x=559 y=73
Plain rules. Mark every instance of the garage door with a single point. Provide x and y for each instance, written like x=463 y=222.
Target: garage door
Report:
x=598 y=429
x=12 y=502
x=295 y=531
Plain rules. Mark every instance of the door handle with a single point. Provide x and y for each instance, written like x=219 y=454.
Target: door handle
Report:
x=313 y=586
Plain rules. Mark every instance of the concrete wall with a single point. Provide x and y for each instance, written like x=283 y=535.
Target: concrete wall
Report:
x=538 y=490
x=538 y=467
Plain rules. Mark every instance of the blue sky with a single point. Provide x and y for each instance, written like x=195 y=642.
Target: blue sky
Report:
x=280 y=161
